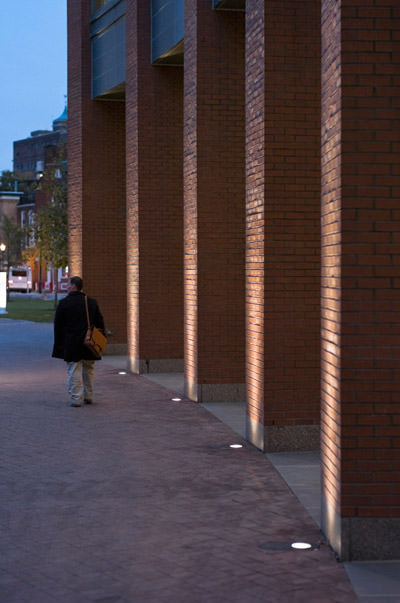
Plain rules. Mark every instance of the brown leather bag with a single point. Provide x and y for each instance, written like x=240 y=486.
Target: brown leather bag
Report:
x=94 y=340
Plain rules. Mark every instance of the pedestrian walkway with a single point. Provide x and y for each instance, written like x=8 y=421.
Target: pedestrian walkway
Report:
x=372 y=581
x=140 y=498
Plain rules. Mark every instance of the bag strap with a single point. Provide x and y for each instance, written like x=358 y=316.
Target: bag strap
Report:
x=87 y=312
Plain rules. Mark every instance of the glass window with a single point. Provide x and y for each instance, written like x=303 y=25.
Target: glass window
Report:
x=19 y=272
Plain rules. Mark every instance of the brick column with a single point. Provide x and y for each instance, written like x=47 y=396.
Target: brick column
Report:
x=96 y=183
x=361 y=284
x=154 y=201
x=214 y=203
x=283 y=213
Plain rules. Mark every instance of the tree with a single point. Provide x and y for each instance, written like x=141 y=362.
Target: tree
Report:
x=51 y=223
x=9 y=181
x=13 y=236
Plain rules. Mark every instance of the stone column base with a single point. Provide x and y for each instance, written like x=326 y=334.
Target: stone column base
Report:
x=215 y=392
x=361 y=538
x=163 y=365
x=285 y=438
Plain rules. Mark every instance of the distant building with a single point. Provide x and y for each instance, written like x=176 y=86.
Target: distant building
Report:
x=32 y=156
x=29 y=157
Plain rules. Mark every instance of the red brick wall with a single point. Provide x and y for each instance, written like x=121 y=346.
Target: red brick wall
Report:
x=190 y=198
x=283 y=230
x=96 y=182
x=330 y=252
x=154 y=104
x=104 y=247
x=255 y=215
x=78 y=86
x=361 y=237
x=214 y=194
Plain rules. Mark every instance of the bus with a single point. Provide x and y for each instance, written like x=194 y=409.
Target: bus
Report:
x=20 y=279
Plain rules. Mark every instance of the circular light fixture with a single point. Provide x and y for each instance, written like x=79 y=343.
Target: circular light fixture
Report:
x=121 y=372
x=235 y=446
x=301 y=546
x=176 y=399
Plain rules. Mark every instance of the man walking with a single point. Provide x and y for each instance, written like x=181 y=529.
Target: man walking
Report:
x=70 y=326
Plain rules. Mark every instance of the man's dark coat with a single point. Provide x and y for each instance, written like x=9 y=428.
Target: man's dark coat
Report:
x=70 y=326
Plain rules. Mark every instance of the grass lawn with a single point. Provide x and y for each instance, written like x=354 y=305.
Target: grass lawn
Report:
x=29 y=308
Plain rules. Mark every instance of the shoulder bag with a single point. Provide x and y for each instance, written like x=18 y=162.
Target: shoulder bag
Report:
x=94 y=340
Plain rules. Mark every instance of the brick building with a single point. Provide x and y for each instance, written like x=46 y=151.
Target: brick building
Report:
x=234 y=182
x=30 y=155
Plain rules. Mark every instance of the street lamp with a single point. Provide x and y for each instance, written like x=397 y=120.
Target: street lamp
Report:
x=3 y=248
x=3 y=281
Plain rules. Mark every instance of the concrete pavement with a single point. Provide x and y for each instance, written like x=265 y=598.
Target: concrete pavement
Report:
x=138 y=498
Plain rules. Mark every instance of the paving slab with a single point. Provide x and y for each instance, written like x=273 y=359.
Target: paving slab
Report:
x=138 y=498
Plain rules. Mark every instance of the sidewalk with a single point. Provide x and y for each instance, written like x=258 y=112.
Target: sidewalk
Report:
x=138 y=498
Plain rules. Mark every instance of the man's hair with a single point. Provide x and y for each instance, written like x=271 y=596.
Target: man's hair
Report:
x=77 y=281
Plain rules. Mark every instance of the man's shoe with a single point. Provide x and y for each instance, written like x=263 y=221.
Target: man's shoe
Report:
x=75 y=405
x=88 y=401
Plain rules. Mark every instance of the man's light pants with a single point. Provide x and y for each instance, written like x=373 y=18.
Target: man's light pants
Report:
x=80 y=380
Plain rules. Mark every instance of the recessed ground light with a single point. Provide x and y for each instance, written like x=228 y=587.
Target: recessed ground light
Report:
x=176 y=399
x=121 y=372
x=301 y=546
x=235 y=446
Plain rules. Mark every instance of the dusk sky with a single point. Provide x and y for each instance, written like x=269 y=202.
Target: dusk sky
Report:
x=33 y=69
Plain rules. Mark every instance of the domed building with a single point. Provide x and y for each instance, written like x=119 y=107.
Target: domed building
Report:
x=31 y=154
x=60 y=123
